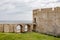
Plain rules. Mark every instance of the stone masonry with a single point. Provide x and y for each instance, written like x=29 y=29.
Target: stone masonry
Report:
x=13 y=27
x=47 y=20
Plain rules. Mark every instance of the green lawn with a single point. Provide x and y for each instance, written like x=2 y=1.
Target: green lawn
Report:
x=26 y=36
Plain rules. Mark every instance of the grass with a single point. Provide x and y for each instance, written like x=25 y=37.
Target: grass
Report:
x=26 y=36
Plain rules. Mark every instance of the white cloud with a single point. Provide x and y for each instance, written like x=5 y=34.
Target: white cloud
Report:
x=43 y=3
x=22 y=9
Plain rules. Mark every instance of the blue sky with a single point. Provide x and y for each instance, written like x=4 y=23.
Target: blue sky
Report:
x=14 y=10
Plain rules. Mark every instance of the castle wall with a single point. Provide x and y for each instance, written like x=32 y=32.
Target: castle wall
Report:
x=47 y=20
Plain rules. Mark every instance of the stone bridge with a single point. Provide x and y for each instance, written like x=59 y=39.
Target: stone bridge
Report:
x=16 y=28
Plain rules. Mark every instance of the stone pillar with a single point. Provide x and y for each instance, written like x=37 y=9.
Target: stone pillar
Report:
x=22 y=28
x=31 y=27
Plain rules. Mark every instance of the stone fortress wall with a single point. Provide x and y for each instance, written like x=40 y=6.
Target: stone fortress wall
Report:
x=47 y=20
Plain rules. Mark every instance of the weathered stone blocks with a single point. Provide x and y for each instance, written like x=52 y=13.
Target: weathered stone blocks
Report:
x=48 y=20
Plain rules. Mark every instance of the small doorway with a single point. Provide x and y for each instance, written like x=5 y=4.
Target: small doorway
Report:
x=34 y=27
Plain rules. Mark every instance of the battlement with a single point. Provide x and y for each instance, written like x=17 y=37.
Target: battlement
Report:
x=46 y=10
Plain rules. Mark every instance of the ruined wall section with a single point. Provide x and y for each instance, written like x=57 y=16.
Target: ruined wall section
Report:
x=13 y=27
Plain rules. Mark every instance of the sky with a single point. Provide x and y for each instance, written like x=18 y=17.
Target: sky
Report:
x=17 y=10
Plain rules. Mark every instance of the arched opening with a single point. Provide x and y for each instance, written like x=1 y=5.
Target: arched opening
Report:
x=34 y=27
x=19 y=28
